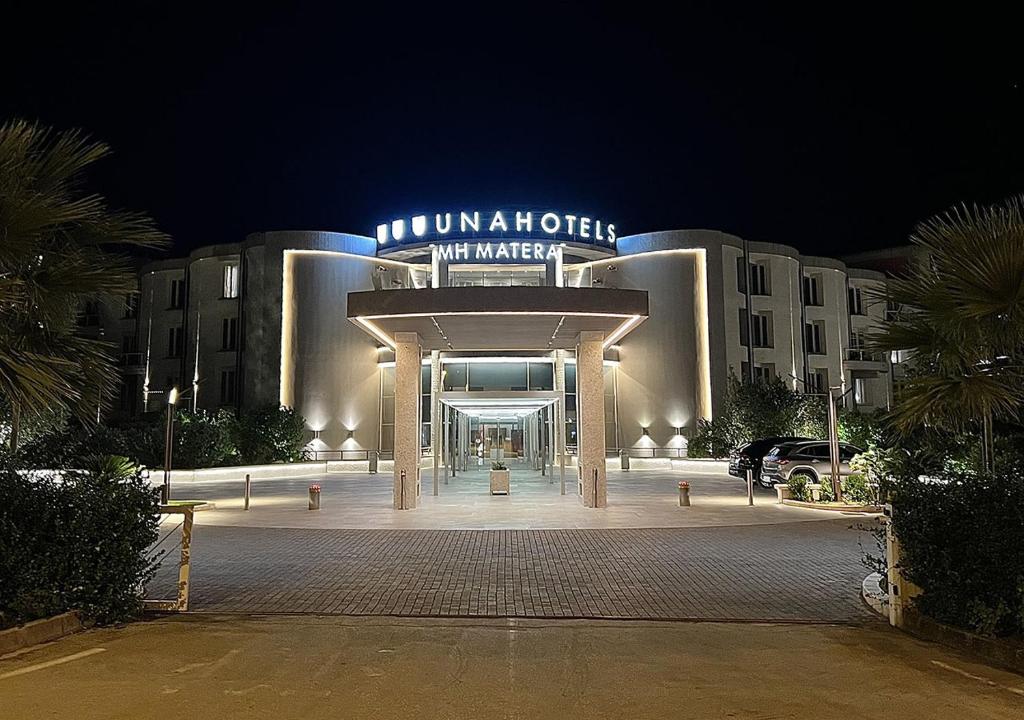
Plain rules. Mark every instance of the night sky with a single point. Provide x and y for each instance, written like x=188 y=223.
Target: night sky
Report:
x=832 y=133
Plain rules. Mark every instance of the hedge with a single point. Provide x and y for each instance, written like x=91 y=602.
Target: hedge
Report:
x=961 y=542
x=74 y=540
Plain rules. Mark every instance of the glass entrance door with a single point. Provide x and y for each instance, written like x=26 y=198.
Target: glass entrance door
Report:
x=497 y=439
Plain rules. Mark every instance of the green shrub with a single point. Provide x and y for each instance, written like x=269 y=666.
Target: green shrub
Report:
x=201 y=439
x=270 y=434
x=75 y=542
x=857 y=490
x=961 y=542
x=827 y=491
x=797 y=485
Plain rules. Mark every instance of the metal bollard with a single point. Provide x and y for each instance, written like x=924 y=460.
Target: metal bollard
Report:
x=314 y=497
x=372 y=456
x=401 y=500
x=624 y=459
x=248 y=490
x=750 y=487
x=684 y=494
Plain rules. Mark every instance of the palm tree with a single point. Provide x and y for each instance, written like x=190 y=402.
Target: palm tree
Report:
x=962 y=319
x=60 y=246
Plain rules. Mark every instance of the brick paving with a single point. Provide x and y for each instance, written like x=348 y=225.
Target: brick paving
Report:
x=808 y=571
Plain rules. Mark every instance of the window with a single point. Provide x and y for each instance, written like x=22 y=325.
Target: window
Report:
x=813 y=290
x=229 y=334
x=856 y=298
x=817 y=381
x=177 y=294
x=89 y=316
x=893 y=311
x=858 y=347
x=231 y=281
x=759 y=280
x=227 y=387
x=761 y=326
x=764 y=373
x=175 y=342
x=814 y=337
x=860 y=392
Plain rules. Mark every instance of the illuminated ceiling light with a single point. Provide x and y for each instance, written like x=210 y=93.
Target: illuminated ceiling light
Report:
x=382 y=234
x=398 y=229
x=419 y=225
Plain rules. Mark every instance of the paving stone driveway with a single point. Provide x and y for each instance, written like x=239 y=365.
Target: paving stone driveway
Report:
x=807 y=571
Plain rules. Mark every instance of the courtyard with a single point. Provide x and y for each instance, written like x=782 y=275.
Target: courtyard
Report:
x=534 y=553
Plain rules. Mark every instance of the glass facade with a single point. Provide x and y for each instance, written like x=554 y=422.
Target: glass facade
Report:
x=485 y=375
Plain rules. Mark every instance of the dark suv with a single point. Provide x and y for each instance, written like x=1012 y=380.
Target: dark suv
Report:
x=749 y=456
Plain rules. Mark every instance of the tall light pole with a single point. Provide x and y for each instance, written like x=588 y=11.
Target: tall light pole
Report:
x=172 y=399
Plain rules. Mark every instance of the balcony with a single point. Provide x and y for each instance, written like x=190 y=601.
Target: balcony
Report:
x=861 y=359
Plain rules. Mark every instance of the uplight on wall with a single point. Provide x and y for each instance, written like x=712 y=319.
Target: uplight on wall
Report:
x=646 y=432
x=316 y=434
x=677 y=430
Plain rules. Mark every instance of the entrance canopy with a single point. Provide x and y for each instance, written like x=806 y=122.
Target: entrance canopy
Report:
x=499 y=405
x=498 y=318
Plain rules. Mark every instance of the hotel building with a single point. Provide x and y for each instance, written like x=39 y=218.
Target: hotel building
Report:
x=519 y=333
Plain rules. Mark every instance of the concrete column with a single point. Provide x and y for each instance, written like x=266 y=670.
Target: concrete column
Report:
x=407 y=420
x=435 y=414
x=590 y=391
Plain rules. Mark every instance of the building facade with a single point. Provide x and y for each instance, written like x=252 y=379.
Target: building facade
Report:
x=500 y=308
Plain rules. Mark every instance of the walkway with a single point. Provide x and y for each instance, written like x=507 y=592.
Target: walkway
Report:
x=639 y=498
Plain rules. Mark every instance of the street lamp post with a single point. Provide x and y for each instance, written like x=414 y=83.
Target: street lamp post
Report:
x=172 y=399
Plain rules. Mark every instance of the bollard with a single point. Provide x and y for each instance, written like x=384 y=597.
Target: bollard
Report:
x=624 y=459
x=372 y=457
x=684 y=494
x=401 y=500
x=248 y=489
x=750 y=487
x=314 y=497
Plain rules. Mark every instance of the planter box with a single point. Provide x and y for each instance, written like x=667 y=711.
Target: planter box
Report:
x=500 y=481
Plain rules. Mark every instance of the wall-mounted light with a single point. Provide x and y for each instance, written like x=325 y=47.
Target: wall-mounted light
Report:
x=678 y=430
x=349 y=436
x=316 y=434
x=646 y=432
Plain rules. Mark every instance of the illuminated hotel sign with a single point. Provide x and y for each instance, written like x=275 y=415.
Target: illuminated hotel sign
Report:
x=508 y=251
x=455 y=226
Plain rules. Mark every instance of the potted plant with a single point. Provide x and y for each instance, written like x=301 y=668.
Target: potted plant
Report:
x=499 y=478
x=684 y=494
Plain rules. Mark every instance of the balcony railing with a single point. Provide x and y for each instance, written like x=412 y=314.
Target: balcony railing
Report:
x=862 y=355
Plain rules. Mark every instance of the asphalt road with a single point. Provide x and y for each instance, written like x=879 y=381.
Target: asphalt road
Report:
x=341 y=667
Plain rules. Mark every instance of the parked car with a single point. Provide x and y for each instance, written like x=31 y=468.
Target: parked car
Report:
x=749 y=456
x=810 y=458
